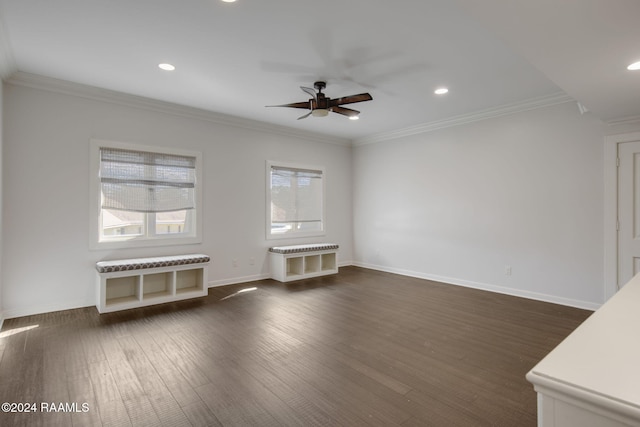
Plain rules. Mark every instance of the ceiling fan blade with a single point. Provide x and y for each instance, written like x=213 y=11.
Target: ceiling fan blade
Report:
x=345 y=111
x=350 y=99
x=305 y=116
x=309 y=91
x=304 y=104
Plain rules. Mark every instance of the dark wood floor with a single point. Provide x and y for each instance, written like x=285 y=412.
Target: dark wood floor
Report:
x=358 y=348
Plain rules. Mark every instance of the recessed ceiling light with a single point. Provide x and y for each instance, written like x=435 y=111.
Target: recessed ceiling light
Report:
x=166 y=67
x=229 y=1
x=634 y=67
x=441 y=91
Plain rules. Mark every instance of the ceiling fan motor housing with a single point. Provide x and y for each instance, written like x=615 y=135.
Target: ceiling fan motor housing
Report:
x=321 y=102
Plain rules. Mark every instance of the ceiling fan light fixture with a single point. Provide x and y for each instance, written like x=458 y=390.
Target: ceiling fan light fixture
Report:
x=356 y=117
x=634 y=67
x=320 y=112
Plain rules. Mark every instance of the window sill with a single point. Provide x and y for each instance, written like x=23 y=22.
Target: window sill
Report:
x=296 y=235
x=143 y=243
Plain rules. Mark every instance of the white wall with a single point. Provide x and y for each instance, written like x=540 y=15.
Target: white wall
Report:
x=456 y=205
x=47 y=262
x=461 y=204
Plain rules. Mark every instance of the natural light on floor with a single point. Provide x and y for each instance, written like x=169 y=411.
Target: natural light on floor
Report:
x=17 y=331
x=241 y=291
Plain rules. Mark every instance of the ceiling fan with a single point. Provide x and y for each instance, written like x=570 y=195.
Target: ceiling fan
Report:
x=320 y=105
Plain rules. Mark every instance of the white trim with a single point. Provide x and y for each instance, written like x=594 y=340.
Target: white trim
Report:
x=484 y=286
x=9 y=314
x=20 y=78
x=526 y=105
x=48 y=308
x=623 y=121
x=590 y=401
x=90 y=92
x=94 y=195
x=236 y=280
x=269 y=164
x=255 y=277
x=611 y=210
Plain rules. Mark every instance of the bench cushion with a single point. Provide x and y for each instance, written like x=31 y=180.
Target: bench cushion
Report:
x=141 y=263
x=303 y=248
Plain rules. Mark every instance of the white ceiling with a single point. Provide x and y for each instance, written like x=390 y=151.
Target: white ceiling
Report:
x=235 y=58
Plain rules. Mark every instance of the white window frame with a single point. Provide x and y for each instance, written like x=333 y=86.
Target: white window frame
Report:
x=293 y=234
x=95 y=205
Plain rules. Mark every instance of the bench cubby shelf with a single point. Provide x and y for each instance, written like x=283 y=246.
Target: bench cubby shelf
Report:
x=166 y=279
x=303 y=261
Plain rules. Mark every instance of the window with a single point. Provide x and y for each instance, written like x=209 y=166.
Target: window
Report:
x=144 y=196
x=295 y=205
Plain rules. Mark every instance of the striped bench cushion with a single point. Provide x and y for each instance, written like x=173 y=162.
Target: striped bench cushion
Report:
x=141 y=263
x=303 y=248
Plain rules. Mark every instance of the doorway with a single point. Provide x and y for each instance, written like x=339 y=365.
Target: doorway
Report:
x=621 y=210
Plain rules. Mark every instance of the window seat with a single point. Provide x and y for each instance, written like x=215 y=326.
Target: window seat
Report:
x=138 y=282
x=303 y=261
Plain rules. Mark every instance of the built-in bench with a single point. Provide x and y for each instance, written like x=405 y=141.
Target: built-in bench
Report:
x=130 y=283
x=302 y=261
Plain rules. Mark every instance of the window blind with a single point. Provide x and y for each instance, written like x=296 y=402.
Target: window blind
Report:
x=296 y=195
x=141 y=181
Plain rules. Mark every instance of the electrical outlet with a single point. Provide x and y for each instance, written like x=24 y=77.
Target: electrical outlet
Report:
x=507 y=270
x=235 y=262
x=252 y=261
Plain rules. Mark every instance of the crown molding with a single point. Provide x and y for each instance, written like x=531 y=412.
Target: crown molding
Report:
x=105 y=95
x=7 y=61
x=503 y=110
x=624 y=121
x=36 y=81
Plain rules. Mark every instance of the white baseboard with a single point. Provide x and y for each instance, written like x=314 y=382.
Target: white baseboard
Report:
x=255 y=277
x=29 y=311
x=40 y=309
x=485 y=287
x=235 y=280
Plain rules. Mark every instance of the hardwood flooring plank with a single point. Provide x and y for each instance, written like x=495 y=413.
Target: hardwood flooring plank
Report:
x=131 y=392
x=266 y=399
x=332 y=381
x=81 y=391
x=164 y=405
x=343 y=413
x=168 y=410
x=114 y=414
x=233 y=406
x=307 y=409
x=174 y=353
x=105 y=387
x=199 y=415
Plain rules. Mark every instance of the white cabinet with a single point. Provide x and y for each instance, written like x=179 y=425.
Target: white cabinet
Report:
x=592 y=378
x=121 y=290
x=303 y=261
